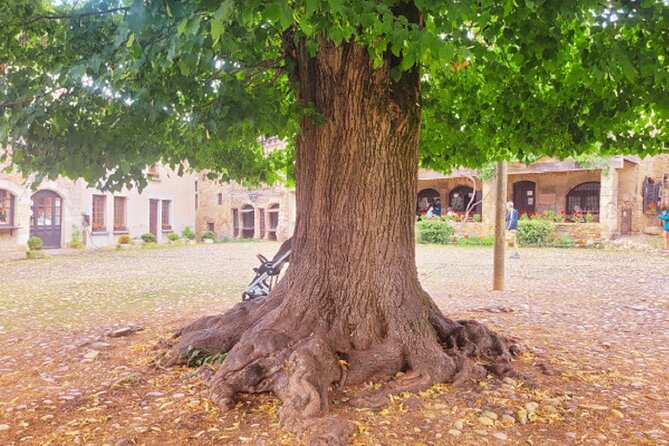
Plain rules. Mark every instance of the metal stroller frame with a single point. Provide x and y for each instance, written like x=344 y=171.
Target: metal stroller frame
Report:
x=267 y=274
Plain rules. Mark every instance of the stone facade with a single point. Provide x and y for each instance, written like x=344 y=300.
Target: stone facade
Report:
x=547 y=185
x=233 y=211
x=71 y=209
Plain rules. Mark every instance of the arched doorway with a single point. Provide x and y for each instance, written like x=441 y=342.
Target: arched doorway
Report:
x=273 y=220
x=460 y=197
x=426 y=197
x=524 y=196
x=248 y=221
x=46 y=219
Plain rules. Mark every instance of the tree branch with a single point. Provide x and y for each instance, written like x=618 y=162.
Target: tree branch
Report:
x=73 y=15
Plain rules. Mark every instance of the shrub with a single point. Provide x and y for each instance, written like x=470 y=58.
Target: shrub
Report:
x=564 y=241
x=35 y=243
x=124 y=239
x=475 y=241
x=188 y=233
x=208 y=235
x=173 y=236
x=75 y=241
x=147 y=237
x=535 y=232
x=434 y=231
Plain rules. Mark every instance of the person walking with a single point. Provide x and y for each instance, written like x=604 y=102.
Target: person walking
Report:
x=512 y=228
x=664 y=218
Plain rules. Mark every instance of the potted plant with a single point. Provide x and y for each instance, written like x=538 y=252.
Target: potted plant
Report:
x=174 y=238
x=148 y=239
x=208 y=237
x=189 y=235
x=124 y=241
x=589 y=217
x=35 y=246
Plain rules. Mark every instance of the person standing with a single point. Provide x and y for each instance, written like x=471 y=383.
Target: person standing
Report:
x=437 y=208
x=512 y=228
x=664 y=217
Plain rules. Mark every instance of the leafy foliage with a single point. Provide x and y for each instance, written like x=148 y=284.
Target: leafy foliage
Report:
x=35 y=243
x=188 y=233
x=535 y=232
x=434 y=231
x=208 y=235
x=173 y=236
x=102 y=88
x=124 y=239
x=147 y=237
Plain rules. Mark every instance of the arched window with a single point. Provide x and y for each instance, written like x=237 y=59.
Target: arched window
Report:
x=459 y=198
x=273 y=220
x=6 y=209
x=584 y=197
x=248 y=221
x=426 y=197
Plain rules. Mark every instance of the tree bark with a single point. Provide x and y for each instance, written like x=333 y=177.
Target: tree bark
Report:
x=350 y=307
x=500 y=227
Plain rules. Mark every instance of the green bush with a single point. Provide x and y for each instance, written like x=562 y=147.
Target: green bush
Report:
x=124 y=239
x=173 y=236
x=434 y=231
x=147 y=237
x=188 y=233
x=535 y=232
x=35 y=243
x=75 y=241
x=564 y=241
x=208 y=235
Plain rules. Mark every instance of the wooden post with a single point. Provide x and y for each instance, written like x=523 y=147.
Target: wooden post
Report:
x=500 y=227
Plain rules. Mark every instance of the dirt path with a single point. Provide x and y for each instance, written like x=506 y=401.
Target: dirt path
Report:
x=595 y=325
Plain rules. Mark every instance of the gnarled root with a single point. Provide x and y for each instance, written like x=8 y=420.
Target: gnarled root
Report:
x=297 y=360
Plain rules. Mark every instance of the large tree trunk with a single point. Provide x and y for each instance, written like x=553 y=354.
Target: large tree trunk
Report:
x=350 y=307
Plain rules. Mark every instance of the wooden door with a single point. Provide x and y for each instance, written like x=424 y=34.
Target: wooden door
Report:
x=46 y=222
x=153 y=217
x=524 y=197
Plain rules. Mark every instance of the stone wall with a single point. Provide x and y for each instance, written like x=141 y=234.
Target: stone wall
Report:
x=580 y=231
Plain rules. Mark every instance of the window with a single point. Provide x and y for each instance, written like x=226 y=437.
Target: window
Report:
x=154 y=173
x=98 y=223
x=166 y=221
x=220 y=199
x=196 y=202
x=460 y=197
x=426 y=198
x=273 y=220
x=652 y=196
x=119 y=214
x=210 y=227
x=6 y=208
x=248 y=221
x=584 y=198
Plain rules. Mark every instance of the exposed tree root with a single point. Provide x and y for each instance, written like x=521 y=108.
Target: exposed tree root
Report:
x=268 y=352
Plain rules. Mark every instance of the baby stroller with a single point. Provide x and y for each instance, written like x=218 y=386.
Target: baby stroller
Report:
x=267 y=274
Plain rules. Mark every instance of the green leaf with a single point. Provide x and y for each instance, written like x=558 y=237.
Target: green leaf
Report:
x=131 y=40
x=216 y=30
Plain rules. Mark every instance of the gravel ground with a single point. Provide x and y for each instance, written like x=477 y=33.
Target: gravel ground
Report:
x=595 y=326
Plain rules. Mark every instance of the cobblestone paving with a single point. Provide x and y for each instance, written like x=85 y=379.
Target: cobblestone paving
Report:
x=595 y=326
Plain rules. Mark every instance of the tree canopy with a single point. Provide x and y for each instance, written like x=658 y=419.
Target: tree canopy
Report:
x=104 y=87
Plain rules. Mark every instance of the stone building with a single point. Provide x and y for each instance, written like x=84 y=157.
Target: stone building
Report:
x=55 y=210
x=623 y=194
x=232 y=211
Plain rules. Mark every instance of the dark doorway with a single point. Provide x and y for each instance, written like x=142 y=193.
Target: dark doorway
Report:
x=626 y=221
x=46 y=220
x=248 y=221
x=153 y=217
x=459 y=198
x=524 y=196
x=426 y=198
